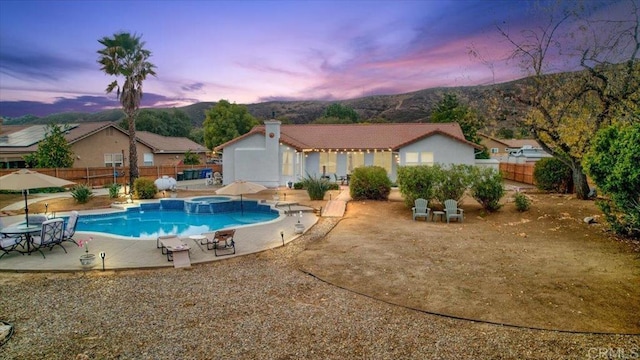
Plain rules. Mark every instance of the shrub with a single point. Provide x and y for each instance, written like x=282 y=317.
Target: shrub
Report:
x=612 y=163
x=298 y=186
x=522 y=202
x=114 y=190
x=81 y=193
x=551 y=174
x=144 y=188
x=316 y=187
x=417 y=182
x=334 y=186
x=369 y=182
x=453 y=181
x=191 y=158
x=488 y=190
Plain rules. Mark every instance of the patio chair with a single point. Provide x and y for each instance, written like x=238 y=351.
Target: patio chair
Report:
x=452 y=211
x=51 y=235
x=37 y=219
x=9 y=244
x=70 y=227
x=221 y=240
x=420 y=209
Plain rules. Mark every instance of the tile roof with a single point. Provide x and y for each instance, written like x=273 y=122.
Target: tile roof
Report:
x=514 y=143
x=358 y=136
x=80 y=131
x=169 y=144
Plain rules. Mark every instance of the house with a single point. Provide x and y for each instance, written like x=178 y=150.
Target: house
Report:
x=96 y=144
x=501 y=149
x=274 y=155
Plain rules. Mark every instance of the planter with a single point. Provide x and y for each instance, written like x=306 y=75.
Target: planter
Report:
x=298 y=228
x=88 y=261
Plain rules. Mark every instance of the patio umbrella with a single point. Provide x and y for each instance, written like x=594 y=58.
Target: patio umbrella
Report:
x=25 y=179
x=240 y=187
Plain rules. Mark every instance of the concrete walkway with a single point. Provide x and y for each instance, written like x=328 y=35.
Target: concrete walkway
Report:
x=136 y=254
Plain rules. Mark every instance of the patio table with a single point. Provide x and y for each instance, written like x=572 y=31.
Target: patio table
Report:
x=24 y=231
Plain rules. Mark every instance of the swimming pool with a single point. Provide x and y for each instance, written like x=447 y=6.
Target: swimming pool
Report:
x=177 y=217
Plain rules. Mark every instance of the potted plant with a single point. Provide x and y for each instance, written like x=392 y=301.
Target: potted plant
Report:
x=86 y=260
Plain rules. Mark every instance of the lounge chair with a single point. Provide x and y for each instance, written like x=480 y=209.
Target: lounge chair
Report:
x=452 y=211
x=221 y=240
x=420 y=209
x=51 y=235
x=70 y=227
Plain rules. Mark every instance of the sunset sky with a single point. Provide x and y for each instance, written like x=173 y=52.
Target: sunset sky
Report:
x=253 y=51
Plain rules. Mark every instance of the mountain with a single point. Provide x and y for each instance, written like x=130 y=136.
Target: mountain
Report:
x=410 y=107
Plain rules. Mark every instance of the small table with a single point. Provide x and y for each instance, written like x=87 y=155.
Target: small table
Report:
x=437 y=213
x=22 y=230
x=198 y=239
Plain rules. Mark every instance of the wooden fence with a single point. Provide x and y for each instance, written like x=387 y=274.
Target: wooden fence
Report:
x=522 y=173
x=102 y=176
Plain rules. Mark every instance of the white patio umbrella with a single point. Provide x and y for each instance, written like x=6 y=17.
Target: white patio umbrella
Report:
x=240 y=187
x=25 y=179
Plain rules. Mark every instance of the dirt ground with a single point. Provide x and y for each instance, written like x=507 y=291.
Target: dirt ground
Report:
x=544 y=268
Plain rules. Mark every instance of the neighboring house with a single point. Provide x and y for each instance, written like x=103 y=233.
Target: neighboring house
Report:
x=273 y=154
x=96 y=144
x=501 y=149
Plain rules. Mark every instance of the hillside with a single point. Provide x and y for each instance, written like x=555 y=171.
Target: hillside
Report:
x=410 y=107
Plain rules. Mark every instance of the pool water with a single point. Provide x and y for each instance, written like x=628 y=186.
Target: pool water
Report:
x=153 y=221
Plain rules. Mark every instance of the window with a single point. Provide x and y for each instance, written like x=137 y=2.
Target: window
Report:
x=494 y=150
x=383 y=159
x=354 y=160
x=421 y=158
x=287 y=163
x=113 y=160
x=148 y=159
x=426 y=158
x=328 y=162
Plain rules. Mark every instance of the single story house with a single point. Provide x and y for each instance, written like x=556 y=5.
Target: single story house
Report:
x=501 y=149
x=274 y=154
x=96 y=144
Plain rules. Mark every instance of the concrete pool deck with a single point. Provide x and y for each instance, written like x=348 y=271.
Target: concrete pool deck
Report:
x=139 y=254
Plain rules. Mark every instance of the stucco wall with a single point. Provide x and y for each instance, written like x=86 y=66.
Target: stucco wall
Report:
x=89 y=152
x=445 y=150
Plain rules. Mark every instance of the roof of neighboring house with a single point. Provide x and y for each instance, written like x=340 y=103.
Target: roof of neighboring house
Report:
x=514 y=143
x=169 y=144
x=358 y=136
x=81 y=131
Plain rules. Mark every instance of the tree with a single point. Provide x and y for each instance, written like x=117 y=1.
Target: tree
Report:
x=226 y=121
x=124 y=56
x=337 y=113
x=449 y=109
x=162 y=122
x=612 y=163
x=53 y=151
x=565 y=111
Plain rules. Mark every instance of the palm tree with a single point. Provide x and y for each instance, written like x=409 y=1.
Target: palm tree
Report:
x=124 y=55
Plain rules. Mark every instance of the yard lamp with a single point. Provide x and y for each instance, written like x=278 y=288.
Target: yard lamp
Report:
x=102 y=256
x=282 y=236
x=46 y=208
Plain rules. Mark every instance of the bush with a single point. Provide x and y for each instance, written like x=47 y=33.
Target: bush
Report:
x=453 y=181
x=298 y=186
x=612 y=163
x=144 y=188
x=316 y=187
x=114 y=190
x=551 y=174
x=81 y=193
x=488 y=189
x=334 y=186
x=369 y=182
x=522 y=202
x=417 y=182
